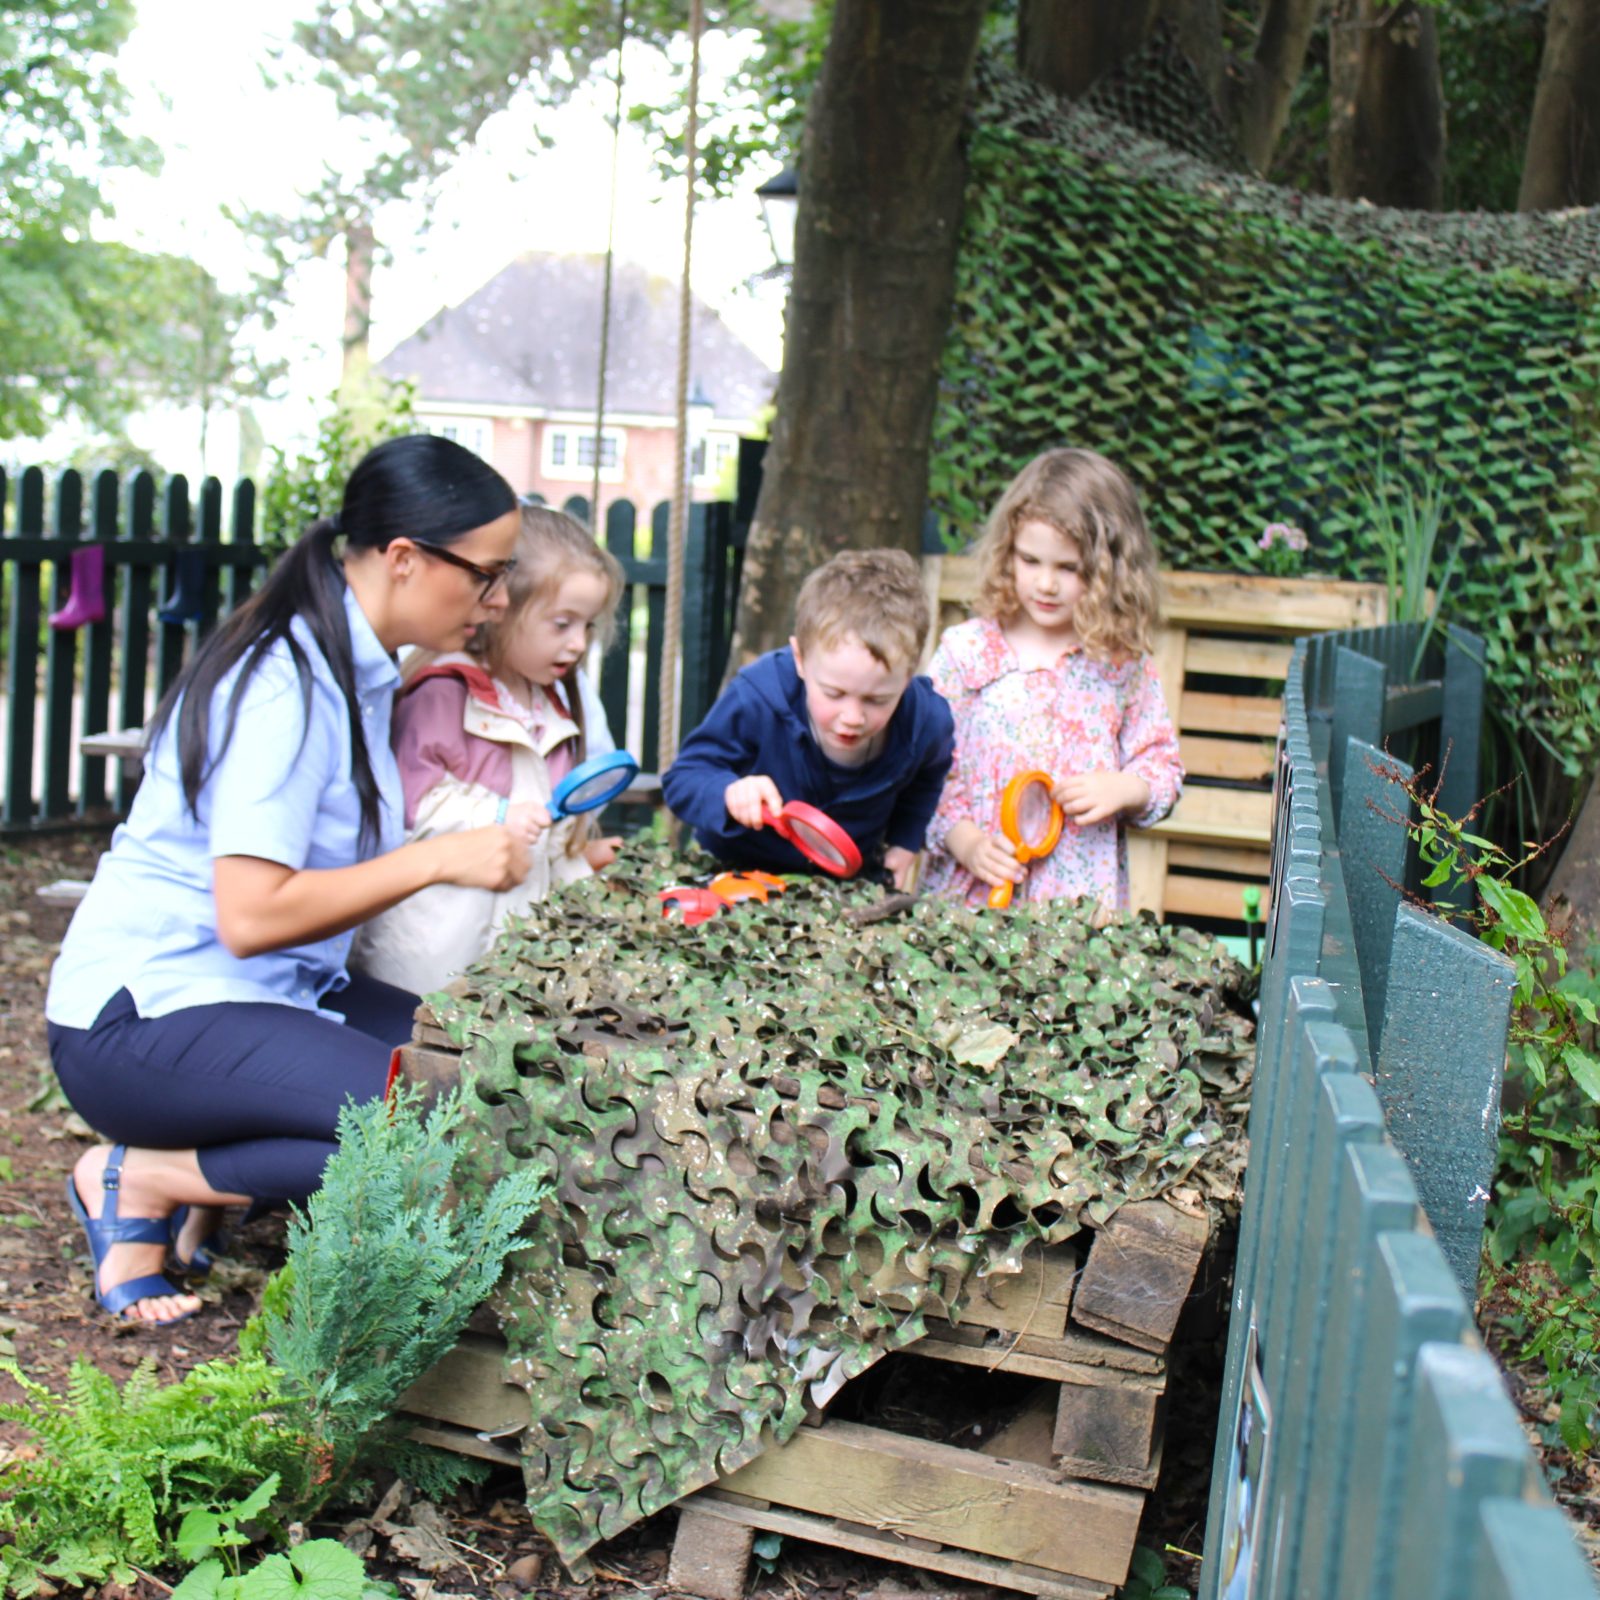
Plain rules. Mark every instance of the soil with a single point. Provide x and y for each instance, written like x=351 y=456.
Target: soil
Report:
x=483 y=1544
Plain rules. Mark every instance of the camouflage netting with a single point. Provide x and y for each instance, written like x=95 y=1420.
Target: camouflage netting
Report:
x=781 y=1139
x=1251 y=354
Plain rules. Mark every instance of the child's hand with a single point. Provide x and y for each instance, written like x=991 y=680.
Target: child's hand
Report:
x=602 y=852
x=482 y=858
x=901 y=865
x=1090 y=797
x=749 y=799
x=528 y=820
x=987 y=856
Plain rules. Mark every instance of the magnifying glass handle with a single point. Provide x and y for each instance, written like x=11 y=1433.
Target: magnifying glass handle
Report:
x=1000 y=895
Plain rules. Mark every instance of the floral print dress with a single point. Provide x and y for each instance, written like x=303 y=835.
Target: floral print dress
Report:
x=1082 y=715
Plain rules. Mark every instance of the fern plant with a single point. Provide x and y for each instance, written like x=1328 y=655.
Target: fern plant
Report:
x=384 y=1271
x=117 y=1469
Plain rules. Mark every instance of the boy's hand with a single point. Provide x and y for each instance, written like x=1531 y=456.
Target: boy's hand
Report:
x=1090 y=797
x=602 y=852
x=749 y=799
x=988 y=857
x=527 y=820
x=901 y=865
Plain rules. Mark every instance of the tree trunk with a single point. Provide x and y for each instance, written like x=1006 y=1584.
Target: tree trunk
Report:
x=1069 y=45
x=1261 y=96
x=881 y=191
x=359 y=248
x=1562 y=166
x=1386 y=129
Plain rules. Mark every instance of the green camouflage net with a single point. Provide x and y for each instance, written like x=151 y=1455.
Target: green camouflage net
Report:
x=1250 y=355
x=780 y=1139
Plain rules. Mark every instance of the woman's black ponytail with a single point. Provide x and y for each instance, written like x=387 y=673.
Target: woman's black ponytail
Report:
x=419 y=484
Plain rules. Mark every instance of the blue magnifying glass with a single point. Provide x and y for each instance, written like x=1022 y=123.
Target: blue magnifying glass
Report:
x=591 y=783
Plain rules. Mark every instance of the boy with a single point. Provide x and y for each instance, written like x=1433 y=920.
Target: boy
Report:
x=836 y=719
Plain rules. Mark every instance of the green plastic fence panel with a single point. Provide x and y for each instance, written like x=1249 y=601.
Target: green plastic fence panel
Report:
x=1345 y=1113
x=23 y=621
x=1466 y=1446
x=61 y=658
x=1461 y=724
x=1373 y=847
x=1358 y=688
x=1525 y=1552
x=1439 y=1065
x=1374 y=1196
x=1413 y=1300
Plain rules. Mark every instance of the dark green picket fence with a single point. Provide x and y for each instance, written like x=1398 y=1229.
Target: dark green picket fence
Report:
x=1367 y=1446
x=112 y=672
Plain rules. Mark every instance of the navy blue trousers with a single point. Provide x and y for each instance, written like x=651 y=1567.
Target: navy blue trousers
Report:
x=256 y=1089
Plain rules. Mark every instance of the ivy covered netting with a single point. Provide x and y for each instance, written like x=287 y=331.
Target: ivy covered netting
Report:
x=1254 y=355
x=779 y=1141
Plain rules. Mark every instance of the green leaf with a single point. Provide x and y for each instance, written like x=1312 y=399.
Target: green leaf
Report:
x=199 y=1532
x=328 y=1570
x=1583 y=1069
x=1440 y=874
x=208 y=1581
x=256 y=1501
x=1518 y=911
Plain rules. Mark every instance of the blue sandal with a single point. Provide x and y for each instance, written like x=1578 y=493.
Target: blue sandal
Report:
x=198 y=1266
x=108 y=1229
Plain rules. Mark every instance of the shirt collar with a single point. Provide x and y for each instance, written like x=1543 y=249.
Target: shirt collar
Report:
x=375 y=667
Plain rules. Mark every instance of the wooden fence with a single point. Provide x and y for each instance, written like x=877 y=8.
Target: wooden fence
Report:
x=1366 y=1443
x=155 y=555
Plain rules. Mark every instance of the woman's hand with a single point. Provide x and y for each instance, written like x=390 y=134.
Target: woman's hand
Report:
x=1090 y=797
x=750 y=799
x=601 y=853
x=495 y=857
x=988 y=857
x=528 y=820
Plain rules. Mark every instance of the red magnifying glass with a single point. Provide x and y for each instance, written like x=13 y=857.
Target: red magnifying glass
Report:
x=1031 y=820
x=690 y=905
x=817 y=837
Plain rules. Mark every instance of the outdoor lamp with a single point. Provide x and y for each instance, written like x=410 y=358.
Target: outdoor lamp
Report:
x=780 y=201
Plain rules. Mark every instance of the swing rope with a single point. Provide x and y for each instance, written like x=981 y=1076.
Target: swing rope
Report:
x=671 y=644
x=596 y=527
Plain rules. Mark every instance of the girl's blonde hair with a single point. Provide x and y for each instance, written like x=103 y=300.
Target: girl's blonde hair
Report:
x=1082 y=495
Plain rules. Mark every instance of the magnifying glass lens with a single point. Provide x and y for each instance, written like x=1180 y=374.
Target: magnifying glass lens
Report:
x=595 y=791
x=1034 y=814
x=818 y=846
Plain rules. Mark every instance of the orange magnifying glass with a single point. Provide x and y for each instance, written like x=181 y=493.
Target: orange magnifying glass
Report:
x=1031 y=820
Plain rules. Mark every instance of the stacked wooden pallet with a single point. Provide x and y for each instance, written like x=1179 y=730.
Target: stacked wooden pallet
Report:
x=1049 y=1502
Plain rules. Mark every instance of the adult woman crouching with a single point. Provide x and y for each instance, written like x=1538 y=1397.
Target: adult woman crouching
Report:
x=200 y=1014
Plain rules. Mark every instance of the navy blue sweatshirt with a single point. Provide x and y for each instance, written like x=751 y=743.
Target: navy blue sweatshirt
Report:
x=759 y=725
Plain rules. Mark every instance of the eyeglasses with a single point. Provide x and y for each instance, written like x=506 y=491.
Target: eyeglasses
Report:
x=490 y=577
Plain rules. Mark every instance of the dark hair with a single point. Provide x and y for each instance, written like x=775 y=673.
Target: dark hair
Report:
x=418 y=484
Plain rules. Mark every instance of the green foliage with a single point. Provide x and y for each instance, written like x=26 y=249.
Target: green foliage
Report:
x=117 y=1471
x=1542 y=1247
x=301 y=489
x=1251 y=355
x=89 y=322
x=386 y=1271
x=1147 y=1578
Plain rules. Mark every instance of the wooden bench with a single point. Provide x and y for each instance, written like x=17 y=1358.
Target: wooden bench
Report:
x=1222 y=655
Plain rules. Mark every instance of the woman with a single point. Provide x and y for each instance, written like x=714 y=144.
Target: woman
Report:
x=200 y=1014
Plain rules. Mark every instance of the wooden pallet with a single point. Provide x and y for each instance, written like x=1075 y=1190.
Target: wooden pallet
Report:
x=1049 y=1504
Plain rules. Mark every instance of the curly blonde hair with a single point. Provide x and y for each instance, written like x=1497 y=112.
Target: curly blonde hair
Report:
x=874 y=596
x=1088 y=499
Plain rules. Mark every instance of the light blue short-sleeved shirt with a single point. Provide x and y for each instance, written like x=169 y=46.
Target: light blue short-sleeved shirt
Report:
x=283 y=791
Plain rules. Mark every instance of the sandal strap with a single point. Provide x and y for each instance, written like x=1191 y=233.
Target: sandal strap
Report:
x=117 y=1299
x=129 y=1230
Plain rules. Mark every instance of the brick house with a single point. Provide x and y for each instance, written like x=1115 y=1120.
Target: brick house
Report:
x=511 y=373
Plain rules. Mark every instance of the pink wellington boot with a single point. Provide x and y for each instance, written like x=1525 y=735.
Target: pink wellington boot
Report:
x=87 y=602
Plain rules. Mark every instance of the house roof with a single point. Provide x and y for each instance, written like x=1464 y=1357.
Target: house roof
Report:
x=531 y=337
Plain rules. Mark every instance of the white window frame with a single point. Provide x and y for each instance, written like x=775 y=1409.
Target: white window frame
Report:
x=475 y=433
x=719 y=446
x=570 y=470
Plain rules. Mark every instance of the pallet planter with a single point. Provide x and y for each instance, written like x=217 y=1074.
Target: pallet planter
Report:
x=1048 y=1504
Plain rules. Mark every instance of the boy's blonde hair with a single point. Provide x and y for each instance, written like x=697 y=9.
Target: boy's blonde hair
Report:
x=874 y=596
x=1082 y=495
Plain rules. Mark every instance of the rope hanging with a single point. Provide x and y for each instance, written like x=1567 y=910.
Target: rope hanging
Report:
x=672 y=641
x=596 y=526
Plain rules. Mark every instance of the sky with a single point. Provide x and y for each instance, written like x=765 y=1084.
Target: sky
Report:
x=193 y=68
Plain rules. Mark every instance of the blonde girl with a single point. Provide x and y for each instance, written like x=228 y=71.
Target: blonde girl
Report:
x=485 y=735
x=1054 y=674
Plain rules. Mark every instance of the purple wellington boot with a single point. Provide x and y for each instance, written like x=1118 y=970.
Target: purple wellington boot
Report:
x=87 y=602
